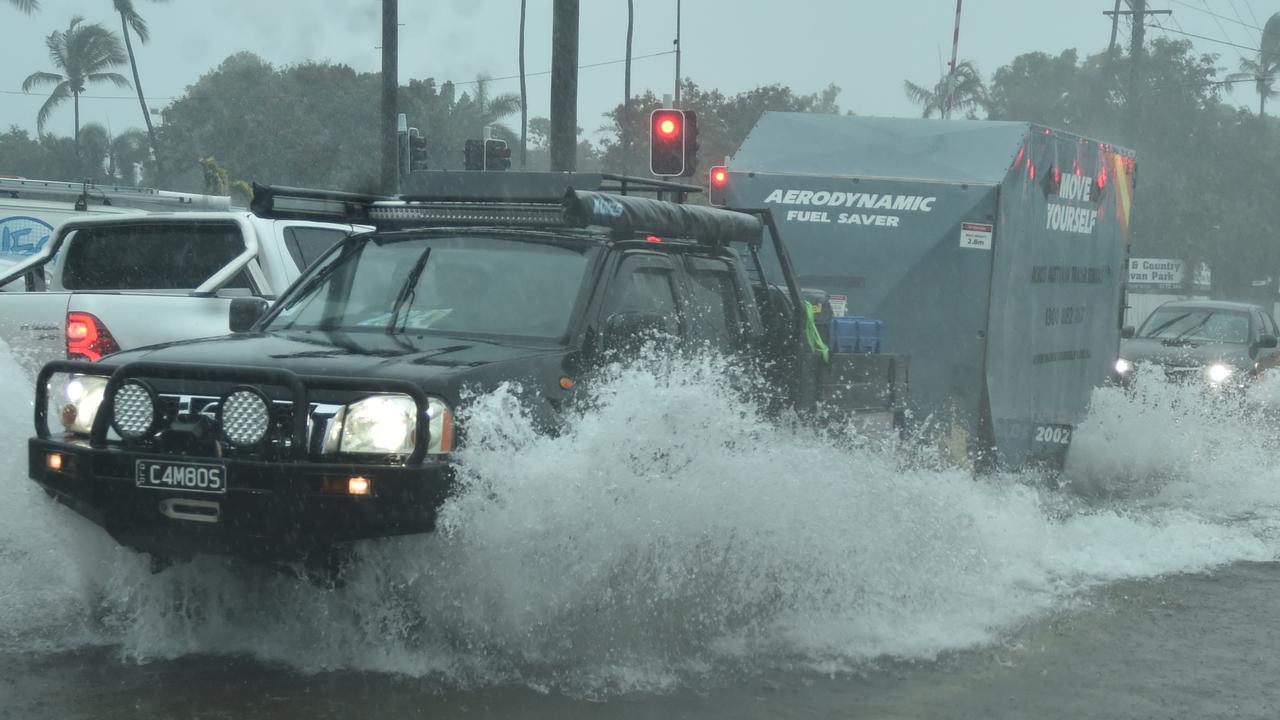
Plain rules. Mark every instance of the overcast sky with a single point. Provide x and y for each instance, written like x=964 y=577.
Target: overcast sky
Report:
x=866 y=47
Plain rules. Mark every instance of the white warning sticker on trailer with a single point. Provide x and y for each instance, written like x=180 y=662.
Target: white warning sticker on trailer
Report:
x=976 y=236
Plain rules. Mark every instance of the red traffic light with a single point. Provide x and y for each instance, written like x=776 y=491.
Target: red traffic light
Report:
x=667 y=142
x=717 y=181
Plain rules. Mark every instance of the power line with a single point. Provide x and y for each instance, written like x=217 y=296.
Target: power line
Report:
x=1206 y=11
x=1208 y=39
x=1235 y=11
x=462 y=82
x=1226 y=35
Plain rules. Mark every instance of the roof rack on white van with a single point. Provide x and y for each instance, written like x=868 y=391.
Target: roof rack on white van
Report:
x=85 y=194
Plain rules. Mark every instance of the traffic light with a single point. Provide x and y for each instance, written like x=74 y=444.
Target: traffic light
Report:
x=473 y=155
x=667 y=142
x=417 y=151
x=690 y=143
x=717 y=181
x=497 y=156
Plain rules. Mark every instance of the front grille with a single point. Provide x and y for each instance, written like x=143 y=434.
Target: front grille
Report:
x=1183 y=375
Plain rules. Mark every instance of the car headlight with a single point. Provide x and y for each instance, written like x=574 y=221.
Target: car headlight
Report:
x=387 y=425
x=81 y=398
x=1218 y=373
x=1123 y=366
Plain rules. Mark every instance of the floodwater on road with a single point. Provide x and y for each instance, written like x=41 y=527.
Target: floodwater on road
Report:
x=675 y=554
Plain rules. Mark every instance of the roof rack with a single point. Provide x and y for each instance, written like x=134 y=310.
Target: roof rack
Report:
x=522 y=200
x=87 y=193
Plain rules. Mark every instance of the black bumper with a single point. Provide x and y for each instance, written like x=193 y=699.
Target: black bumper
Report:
x=270 y=511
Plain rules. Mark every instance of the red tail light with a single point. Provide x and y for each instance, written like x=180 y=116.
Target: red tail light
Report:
x=87 y=338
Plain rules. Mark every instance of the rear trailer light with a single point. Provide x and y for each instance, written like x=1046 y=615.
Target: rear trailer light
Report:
x=87 y=338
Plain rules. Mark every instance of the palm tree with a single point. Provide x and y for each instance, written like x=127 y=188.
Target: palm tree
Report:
x=479 y=109
x=966 y=91
x=26 y=6
x=1262 y=71
x=131 y=19
x=83 y=53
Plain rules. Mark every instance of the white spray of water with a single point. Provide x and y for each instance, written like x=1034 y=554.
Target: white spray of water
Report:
x=672 y=533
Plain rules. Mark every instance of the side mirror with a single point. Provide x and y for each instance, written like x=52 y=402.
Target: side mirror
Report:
x=1267 y=342
x=1127 y=332
x=628 y=331
x=245 y=312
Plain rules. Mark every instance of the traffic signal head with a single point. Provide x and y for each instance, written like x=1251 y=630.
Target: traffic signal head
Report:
x=417 y=151
x=690 y=143
x=497 y=156
x=667 y=142
x=473 y=155
x=717 y=181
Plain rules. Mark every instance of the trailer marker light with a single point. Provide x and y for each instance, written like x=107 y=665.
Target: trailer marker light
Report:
x=54 y=461
x=358 y=486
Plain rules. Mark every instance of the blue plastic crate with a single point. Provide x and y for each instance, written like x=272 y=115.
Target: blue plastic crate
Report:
x=855 y=334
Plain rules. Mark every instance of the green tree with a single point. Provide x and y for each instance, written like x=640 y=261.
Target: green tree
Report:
x=130 y=18
x=95 y=149
x=84 y=53
x=129 y=153
x=965 y=92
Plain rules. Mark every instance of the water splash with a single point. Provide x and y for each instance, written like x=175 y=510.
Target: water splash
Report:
x=672 y=534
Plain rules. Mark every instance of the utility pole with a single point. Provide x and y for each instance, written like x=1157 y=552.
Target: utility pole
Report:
x=951 y=76
x=626 y=93
x=524 y=97
x=1115 y=28
x=564 y=86
x=390 y=85
x=1138 y=13
x=677 y=53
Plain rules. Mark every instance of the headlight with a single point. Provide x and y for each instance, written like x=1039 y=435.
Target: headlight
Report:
x=81 y=397
x=1123 y=367
x=386 y=425
x=1218 y=373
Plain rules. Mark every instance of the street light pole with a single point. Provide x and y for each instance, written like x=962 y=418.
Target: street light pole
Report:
x=390 y=85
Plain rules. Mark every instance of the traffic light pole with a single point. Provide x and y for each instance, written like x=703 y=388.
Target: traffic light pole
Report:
x=390 y=83
x=564 y=86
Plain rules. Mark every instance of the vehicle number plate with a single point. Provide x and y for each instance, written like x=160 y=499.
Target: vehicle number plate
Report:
x=193 y=477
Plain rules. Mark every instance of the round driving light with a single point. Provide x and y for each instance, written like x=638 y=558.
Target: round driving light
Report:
x=244 y=415
x=1123 y=366
x=133 y=411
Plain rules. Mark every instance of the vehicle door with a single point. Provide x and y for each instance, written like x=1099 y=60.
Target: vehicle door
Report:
x=1266 y=358
x=716 y=310
x=301 y=244
x=640 y=303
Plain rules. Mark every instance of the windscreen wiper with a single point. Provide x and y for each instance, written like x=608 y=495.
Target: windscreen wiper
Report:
x=1155 y=332
x=409 y=291
x=314 y=281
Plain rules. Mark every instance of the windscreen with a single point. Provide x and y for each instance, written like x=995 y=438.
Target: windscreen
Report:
x=470 y=285
x=1197 y=325
x=155 y=256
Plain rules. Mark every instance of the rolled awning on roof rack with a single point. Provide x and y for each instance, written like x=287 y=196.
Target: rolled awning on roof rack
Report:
x=630 y=214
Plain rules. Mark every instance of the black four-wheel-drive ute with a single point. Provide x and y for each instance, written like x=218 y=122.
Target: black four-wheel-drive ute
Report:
x=329 y=417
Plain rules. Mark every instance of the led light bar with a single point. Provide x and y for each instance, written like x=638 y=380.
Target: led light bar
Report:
x=514 y=214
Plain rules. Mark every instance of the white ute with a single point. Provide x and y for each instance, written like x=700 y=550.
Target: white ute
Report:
x=114 y=282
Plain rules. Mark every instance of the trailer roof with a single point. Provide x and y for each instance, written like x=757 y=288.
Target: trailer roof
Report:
x=957 y=151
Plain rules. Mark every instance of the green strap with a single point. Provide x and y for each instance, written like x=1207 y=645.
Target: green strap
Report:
x=811 y=334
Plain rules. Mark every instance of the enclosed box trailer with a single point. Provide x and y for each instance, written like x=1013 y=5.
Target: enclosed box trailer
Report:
x=993 y=252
